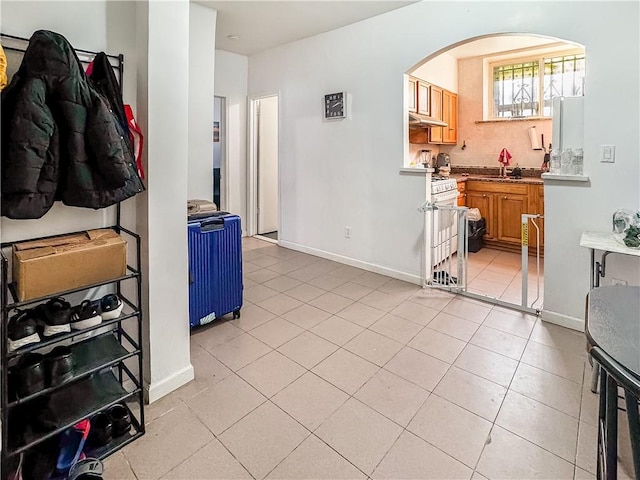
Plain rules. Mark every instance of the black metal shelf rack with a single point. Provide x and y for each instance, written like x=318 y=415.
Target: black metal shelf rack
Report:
x=103 y=376
x=108 y=357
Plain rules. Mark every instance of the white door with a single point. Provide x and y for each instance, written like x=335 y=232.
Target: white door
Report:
x=267 y=162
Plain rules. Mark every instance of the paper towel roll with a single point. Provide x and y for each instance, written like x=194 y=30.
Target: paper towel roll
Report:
x=533 y=136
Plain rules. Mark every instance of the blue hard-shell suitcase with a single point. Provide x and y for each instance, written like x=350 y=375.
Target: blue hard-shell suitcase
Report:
x=215 y=268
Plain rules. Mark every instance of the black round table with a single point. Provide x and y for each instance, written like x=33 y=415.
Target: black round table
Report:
x=613 y=332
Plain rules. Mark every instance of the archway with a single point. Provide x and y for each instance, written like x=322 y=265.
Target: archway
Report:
x=495 y=92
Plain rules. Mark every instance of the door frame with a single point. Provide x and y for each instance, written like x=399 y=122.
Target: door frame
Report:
x=224 y=160
x=252 y=166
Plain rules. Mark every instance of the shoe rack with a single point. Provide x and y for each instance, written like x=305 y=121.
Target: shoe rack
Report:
x=108 y=357
x=107 y=368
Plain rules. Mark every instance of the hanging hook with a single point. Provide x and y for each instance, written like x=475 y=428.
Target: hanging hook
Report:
x=464 y=144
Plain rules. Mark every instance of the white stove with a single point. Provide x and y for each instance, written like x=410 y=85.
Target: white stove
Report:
x=443 y=189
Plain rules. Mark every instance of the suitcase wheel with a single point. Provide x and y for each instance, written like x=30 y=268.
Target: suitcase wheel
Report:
x=236 y=314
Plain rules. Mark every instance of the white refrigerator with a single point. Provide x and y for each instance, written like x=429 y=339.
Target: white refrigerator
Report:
x=567 y=123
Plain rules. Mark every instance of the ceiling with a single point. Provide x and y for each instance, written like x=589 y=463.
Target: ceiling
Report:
x=260 y=25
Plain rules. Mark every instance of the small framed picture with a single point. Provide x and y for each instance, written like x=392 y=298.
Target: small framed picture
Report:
x=216 y=132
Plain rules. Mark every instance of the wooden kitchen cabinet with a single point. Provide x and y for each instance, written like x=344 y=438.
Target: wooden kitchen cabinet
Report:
x=436 y=133
x=450 y=117
x=462 y=194
x=484 y=202
x=502 y=205
x=423 y=97
x=413 y=94
x=509 y=216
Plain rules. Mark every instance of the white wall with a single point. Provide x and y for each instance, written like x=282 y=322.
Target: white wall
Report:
x=202 y=39
x=231 y=82
x=346 y=173
x=441 y=70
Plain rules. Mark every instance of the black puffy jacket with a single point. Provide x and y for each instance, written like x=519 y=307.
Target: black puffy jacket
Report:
x=60 y=141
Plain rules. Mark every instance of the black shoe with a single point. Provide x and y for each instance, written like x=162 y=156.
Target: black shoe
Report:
x=101 y=432
x=85 y=315
x=56 y=313
x=59 y=365
x=29 y=375
x=22 y=330
x=110 y=307
x=121 y=420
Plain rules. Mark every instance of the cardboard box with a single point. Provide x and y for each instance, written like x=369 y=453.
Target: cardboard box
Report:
x=45 y=267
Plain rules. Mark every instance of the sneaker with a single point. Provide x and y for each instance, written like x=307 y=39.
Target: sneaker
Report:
x=87 y=469
x=56 y=313
x=85 y=315
x=72 y=442
x=22 y=330
x=59 y=365
x=110 y=307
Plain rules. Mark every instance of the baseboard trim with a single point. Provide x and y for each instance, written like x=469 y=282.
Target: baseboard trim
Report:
x=563 y=320
x=155 y=391
x=370 y=267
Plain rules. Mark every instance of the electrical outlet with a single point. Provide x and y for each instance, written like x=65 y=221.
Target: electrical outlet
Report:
x=347 y=232
x=607 y=153
x=617 y=281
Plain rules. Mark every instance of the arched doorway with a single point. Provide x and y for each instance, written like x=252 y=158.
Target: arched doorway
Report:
x=494 y=94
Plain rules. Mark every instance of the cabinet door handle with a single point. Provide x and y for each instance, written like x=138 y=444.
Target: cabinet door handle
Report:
x=484 y=195
x=504 y=198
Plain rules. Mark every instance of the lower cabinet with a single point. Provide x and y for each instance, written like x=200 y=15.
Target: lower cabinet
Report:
x=509 y=216
x=502 y=205
x=484 y=202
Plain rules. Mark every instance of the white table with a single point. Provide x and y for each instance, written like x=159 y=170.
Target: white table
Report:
x=607 y=244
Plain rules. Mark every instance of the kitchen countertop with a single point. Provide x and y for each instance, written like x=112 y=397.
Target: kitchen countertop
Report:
x=493 y=178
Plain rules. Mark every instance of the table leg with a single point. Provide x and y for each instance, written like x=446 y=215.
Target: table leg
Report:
x=595 y=373
x=633 y=418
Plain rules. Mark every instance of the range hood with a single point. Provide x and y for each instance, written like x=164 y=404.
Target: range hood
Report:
x=417 y=120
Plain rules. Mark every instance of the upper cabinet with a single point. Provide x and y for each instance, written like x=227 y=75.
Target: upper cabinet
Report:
x=413 y=94
x=435 y=133
x=450 y=117
x=431 y=100
x=423 y=98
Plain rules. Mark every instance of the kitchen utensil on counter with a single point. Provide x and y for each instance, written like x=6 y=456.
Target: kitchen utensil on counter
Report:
x=443 y=160
x=546 y=162
x=425 y=158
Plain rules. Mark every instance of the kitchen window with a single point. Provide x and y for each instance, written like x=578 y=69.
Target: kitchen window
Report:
x=524 y=88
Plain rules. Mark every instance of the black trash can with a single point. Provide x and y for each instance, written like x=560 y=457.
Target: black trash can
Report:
x=476 y=231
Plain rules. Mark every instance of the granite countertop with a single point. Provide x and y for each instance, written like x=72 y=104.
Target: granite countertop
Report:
x=494 y=178
x=530 y=176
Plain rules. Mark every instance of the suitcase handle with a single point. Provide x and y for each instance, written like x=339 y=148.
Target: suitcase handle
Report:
x=212 y=225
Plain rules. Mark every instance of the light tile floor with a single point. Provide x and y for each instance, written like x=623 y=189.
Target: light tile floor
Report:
x=333 y=372
x=499 y=274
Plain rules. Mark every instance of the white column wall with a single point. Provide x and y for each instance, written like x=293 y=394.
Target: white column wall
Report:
x=342 y=173
x=202 y=39
x=163 y=102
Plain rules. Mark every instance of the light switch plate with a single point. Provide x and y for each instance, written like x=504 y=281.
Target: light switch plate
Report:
x=607 y=153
